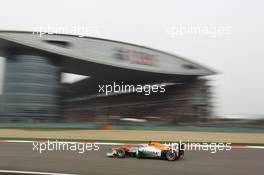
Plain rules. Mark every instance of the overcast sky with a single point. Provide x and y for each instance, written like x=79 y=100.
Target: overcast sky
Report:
x=235 y=51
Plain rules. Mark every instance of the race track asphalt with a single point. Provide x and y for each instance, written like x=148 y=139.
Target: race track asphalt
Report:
x=21 y=157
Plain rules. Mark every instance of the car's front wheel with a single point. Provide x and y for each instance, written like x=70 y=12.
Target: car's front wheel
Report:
x=120 y=153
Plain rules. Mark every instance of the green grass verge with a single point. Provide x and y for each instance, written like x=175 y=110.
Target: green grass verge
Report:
x=119 y=141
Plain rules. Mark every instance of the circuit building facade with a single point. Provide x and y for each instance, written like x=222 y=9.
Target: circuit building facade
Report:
x=32 y=87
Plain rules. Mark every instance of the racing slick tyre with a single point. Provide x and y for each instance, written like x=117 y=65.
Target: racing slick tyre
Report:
x=120 y=153
x=171 y=156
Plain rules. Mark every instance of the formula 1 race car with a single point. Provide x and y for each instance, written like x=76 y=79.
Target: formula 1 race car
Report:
x=169 y=152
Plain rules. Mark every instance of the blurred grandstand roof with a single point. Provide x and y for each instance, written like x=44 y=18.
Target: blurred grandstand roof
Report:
x=102 y=58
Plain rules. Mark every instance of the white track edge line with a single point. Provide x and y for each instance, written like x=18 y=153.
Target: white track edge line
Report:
x=113 y=143
x=33 y=172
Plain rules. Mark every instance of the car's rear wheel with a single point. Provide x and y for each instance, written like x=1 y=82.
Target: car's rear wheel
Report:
x=171 y=155
x=120 y=153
